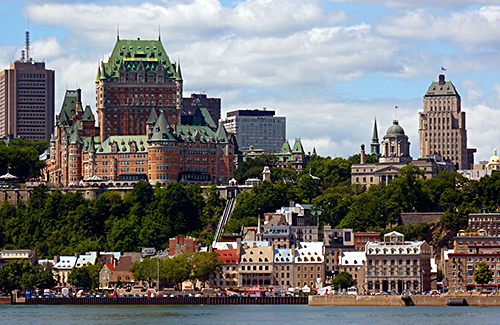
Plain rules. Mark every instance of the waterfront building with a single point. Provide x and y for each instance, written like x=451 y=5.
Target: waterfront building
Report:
x=121 y=273
x=336 y=241
x=27 y=255
x=228 y=278
x=27 y=100
x=284 y=259
x=470 y=249
x=354 y=264
x=62 y=267
x=309 y=268
x=256 y=264
x=397 y=265
x=395 y=155
x=257 y=128
x=105 y=274
x=442 y=125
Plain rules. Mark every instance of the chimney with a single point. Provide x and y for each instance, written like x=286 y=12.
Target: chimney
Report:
x=56 y=259
x=441 y=79
x=362 y=154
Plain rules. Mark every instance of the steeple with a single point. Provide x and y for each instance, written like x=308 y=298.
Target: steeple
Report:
x=375 y=145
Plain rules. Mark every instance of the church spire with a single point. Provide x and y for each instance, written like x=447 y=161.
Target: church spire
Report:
x=375 y=145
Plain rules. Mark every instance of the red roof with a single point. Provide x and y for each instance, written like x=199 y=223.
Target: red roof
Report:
x=110 y=266
x=228 y=256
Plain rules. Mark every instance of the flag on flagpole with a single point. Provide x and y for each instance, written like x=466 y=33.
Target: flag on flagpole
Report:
x=443 y=69
x=396 y=107
x=9 y=167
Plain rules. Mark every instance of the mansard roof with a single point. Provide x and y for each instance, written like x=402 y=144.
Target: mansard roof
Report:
x=202 y=117
x=123 y=144
x=285 y=148
x=135 y=55
x=189 y=133
x=69 y=104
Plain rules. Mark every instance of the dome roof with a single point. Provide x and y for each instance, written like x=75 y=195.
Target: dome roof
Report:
x=494 y=159
x=395 y=130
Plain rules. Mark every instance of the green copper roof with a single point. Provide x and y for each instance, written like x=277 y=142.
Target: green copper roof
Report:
x=75 y=138
x=202 y=117
x=375 y=139
x=88 y=116
x=179 y=74
x=153 y=117
x=132 y=55
x=68 y=106
x=162 y=131
x=285 y=148
x=395 y=130
x=221 y=135
x=297 y=147
x=446 y=89
x=314 y=151
x=123 y=144
x=189 y=133
x=91 y=145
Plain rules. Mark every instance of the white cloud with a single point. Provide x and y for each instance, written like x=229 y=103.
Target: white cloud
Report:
x=454 y=4
x=470 y=29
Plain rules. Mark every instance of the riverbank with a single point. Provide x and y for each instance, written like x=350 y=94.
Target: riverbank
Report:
x=400 y=301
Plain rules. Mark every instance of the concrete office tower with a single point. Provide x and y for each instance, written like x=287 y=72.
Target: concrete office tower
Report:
x=442 y=129
x=257 y=128
x=27 y=99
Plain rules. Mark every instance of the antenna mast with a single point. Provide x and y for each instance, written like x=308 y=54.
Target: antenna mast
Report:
x=27 y=44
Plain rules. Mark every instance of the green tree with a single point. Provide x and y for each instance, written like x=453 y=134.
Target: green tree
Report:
x=205 y=266
x=177 y=270
x=342 y=281
x=86 y=276
x=483 y=274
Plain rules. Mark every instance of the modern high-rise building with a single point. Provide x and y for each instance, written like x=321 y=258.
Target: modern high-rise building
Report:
x=27 y=100
x=442 y=129
x=257 y=128
x=137 y=77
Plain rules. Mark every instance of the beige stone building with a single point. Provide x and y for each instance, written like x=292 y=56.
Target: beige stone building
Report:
x=395 y=155
x=354 y=264
x=442 y=128
x=256 y=264
x=310 y=265
x=396 y=265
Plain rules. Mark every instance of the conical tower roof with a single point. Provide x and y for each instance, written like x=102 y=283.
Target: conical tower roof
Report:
x=162 y=130
x=75 y=138
x=285 y=148
x=153 y=117
x=88 y=116
x=375 y=133
x=91 y=147
x=221 y=134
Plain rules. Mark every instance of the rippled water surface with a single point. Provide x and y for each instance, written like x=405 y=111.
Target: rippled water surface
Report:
x=249 y=314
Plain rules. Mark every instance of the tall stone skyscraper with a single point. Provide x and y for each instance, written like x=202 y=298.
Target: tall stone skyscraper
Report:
x=27 y=99
x=442 y=128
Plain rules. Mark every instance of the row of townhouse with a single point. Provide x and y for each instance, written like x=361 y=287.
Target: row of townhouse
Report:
x=391 y=265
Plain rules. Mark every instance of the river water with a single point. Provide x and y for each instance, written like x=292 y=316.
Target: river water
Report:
x=246 y=314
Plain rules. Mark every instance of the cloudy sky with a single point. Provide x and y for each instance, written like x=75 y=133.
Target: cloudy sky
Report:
x=330 y=67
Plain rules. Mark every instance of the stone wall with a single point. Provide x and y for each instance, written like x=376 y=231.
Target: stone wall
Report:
x=417 y=218
x=395 y=301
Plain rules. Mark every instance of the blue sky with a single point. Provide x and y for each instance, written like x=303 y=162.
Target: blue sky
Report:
x=330 y=67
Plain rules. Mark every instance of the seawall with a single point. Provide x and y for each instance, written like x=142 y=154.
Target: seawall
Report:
x=395 y=301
